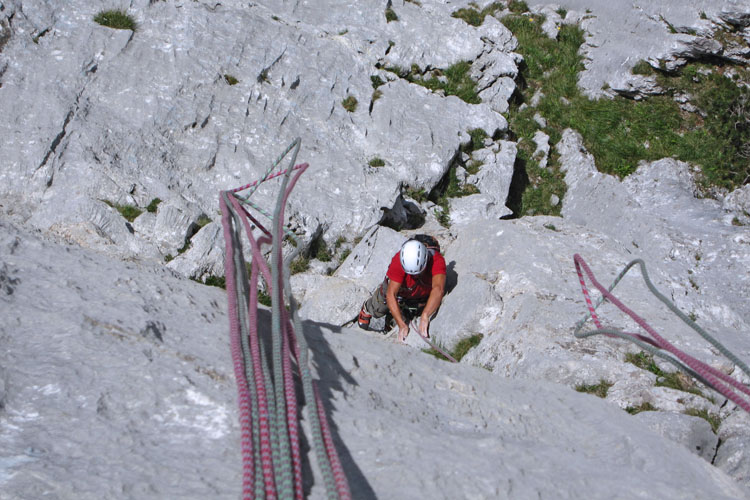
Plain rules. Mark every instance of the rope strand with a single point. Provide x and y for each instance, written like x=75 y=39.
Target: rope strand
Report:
x=705 y=373
x=264 y=361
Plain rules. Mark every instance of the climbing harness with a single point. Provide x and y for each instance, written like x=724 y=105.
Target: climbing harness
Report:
x=657 y=345
x=265 y=362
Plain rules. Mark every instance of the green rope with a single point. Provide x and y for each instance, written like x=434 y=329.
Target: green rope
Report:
x=286 y=489
x=324 y=461
x=718 y=345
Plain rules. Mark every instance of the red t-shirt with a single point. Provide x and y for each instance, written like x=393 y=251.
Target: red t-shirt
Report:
x=415 y=287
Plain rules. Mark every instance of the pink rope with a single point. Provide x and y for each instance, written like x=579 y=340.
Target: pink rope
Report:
x=260 y=386
x=342 y=486
x=246 y=186
x=290 y=354
x=243 y=395
x=711 y=374
x=287 y=340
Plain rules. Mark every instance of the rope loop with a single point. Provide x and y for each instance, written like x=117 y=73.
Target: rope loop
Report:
x=656 y=344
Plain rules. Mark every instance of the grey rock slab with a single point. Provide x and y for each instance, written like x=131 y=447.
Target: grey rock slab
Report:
x=499 y=93
x=655 y=215
x=526 y=303
x=328 y=299
x=732 y=455
x=117 y=376
x=738 y=203
x=135 y=116
x=131 y=366
x=369 y=261
x=733 y=458
x=620 y=33
x=476 y=206
x=541 y=153
x=205 y=255
x=493 y=181
x=496 y=171
x=693 y=433
x=519 y=446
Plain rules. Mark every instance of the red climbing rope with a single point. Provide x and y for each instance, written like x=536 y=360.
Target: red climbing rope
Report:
x=711 y=375
x=265 y=362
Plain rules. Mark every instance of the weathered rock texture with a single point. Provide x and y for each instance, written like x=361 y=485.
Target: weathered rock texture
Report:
x=115 y=379
x=130 y=395
x=94 y=114
x=621 y=33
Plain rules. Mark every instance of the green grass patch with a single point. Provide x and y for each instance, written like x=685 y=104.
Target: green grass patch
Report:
x=417 y=194
x=117 y=19
x=464 y=345
x=184 y=248
x=542 y=184
x=217 y=281
x=519 y=7
x=443 y=213
x=376 y=81
x=646 y=406
x=674 y=380
x=129 y=212
x=377 y=162
x=456 y=189
x=475 y=17
x=299 y=265
x=264 y=298
x=477 y=136
x=203 y=220
x=620 y=132
x=711 y=418
x=320 y=251
x=458 y=82
x=599 y=389
x=350 y=103
x=459 y=351
x=644 y=361
x=151 y=208
x=643 y=68
x=473 y=166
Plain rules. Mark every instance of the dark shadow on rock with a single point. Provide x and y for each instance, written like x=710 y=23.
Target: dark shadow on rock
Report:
x=518 y=184
x=333 y=377
x=451 y=277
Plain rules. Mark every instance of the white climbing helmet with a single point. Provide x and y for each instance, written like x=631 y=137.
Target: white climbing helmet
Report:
x=414 y=257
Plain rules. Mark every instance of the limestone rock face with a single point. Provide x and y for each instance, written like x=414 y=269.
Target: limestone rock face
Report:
x=131 y=395
x=659 y=30
x=110 y=356
x=202 y=97
x=368 y=262
x=692 y=432
x=130 y=392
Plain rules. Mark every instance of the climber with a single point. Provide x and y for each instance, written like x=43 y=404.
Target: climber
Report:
x=415 y=278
